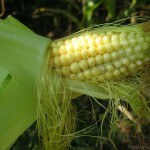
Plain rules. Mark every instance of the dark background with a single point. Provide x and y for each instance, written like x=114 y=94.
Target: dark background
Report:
x=59 y=18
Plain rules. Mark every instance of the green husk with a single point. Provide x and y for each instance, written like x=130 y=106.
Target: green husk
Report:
x=21 y=56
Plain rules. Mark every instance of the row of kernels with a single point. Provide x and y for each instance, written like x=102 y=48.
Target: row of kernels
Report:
x=87 y=75
x=91 y=61
x=91 y=41
x=75 y=44
x=83 y=65
x=77 y=57
x=98 y=59
x=92 y=51
x=94 y=72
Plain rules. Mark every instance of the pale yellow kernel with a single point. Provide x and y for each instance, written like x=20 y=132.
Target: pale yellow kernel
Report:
x=91 y=61
x=63 y=60
x=108 y=75
x=70 y=57
x=81 y=76
x=77 y=55
x=55 y=52
x=107 y=57
x=91 y=42
x=109 y=67
x=133 y=42
x=123 y=69
x=69 y=47
x=116 y=72
x=84 y=44
x=92 y=51
x=101 y=68
x=67 y=41
x=99 y=40
x=62 y=49
x=84 y=53
x=114 y=55
x=81 y=38
x=83 y=64
x=56 y=61
x=73 y=76
x=65 y=70
x=109 y=47
x=101 y=78
x=122 y=36
x=101 y=49
x=132 y=66
x=125 y=61
x=95 y=35
x=74 y=39
x=116 y=45
x=131 y=36
x=140 y=40
x=87 y=36
x=95 y=71
x=139 y=63
x=117 y=64
x=114 y=38
x=129 y=51
x=124 y=43
x=139 y=55
x=99 y=59
x=87 y=74
x=106 y=39
x=145 y=46
x=74 y=67
x=59 y=43
x=132 y=57
x=76 y=45
x=137 y=49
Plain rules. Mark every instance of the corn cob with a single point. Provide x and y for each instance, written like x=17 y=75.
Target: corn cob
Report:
x=94 y=56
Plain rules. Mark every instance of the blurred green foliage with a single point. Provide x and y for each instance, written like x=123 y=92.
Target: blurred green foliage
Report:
x=59 y=18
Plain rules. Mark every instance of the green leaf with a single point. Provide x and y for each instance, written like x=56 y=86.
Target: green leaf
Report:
x=111 y=8
x=62 y=12
x=21 y=55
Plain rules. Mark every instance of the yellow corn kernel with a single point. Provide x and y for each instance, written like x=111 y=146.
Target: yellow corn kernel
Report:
x=93 y=51
x=84 y=53
x=88 y=74
x=99 y=59
x=91 y=61
x=74 y=67
x=70 y=57
x=83 y=64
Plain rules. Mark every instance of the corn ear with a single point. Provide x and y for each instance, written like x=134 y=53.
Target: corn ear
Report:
x=93 y=56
